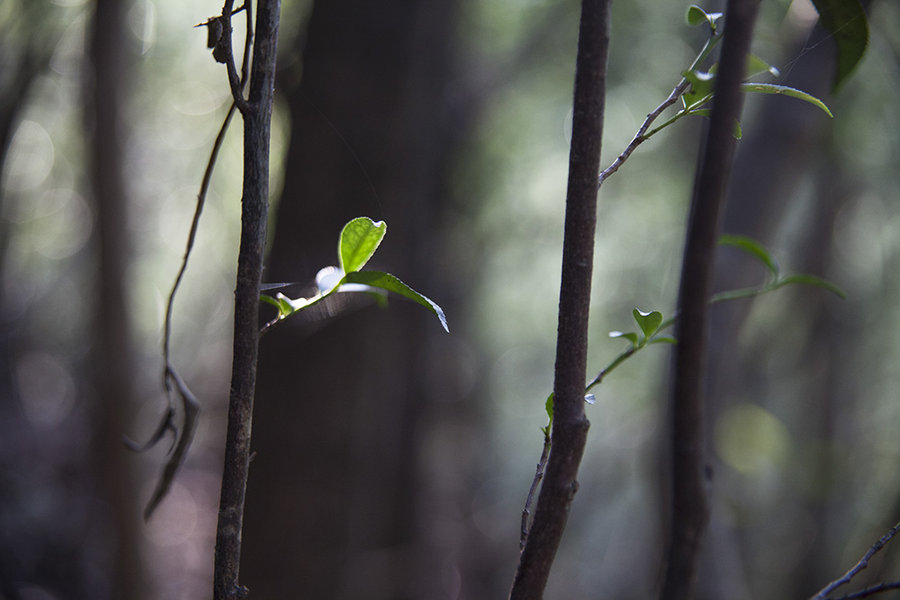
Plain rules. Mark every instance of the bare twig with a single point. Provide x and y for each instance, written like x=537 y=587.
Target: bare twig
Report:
x=224 y=53
x=640 y=137
x=190 y=412
x=859 y=566
x=189 y=406
x=538 y=476
x=871 y=591
x=642 y=134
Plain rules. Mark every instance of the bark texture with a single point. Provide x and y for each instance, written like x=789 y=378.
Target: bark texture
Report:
x=257 y=114
x=570 y=425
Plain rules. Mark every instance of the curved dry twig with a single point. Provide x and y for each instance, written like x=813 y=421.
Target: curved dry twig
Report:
x=172 y=381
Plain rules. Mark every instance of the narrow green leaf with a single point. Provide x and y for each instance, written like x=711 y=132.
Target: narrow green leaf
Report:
x=848 y=25
x=548 y=406
x=630 y=336
x=648 y=321
x=804 y=279
x=771 y=88
x=753 y=248
x=386 y=281
x=663 y=339
x=359 y=240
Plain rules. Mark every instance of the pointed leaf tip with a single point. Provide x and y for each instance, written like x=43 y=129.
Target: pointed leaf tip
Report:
x=753 y=248
x=386 y=281
x=771 y=88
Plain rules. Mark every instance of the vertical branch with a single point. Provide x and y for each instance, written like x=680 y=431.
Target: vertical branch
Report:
x=570 y=425
x=689 y=509
x=257 y=112
x=113 y=352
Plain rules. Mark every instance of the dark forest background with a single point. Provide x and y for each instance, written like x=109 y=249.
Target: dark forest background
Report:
x=391 y=460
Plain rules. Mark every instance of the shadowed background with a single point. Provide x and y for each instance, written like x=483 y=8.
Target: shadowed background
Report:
x=392 y=460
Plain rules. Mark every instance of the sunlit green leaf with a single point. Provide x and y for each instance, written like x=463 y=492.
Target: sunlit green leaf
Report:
x=649 y=322
x=548 y=406
x=359 y=240
x=390 y=283
x=752 y=247
x=771 y=88
x=848 y=25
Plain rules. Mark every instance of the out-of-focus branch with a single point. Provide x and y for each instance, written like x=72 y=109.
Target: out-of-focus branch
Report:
x=689 y=478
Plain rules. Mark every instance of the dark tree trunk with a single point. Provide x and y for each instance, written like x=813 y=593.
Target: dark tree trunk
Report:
x=776 y=153
x=689 y=479
x=335 y=497
x=113 y=360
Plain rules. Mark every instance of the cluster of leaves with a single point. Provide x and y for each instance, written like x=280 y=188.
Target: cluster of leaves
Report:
x=699 y=83
x=358 y=242
x=652 y=325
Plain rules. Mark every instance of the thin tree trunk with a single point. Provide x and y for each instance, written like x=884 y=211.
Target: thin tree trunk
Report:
x=689 y=477
x=570 y=425
x=257 y=114
x=112 y=353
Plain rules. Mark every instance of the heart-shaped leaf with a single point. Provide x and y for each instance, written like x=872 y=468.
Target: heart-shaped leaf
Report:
x=697 y=16
x=359 y=240
x=649 y=322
